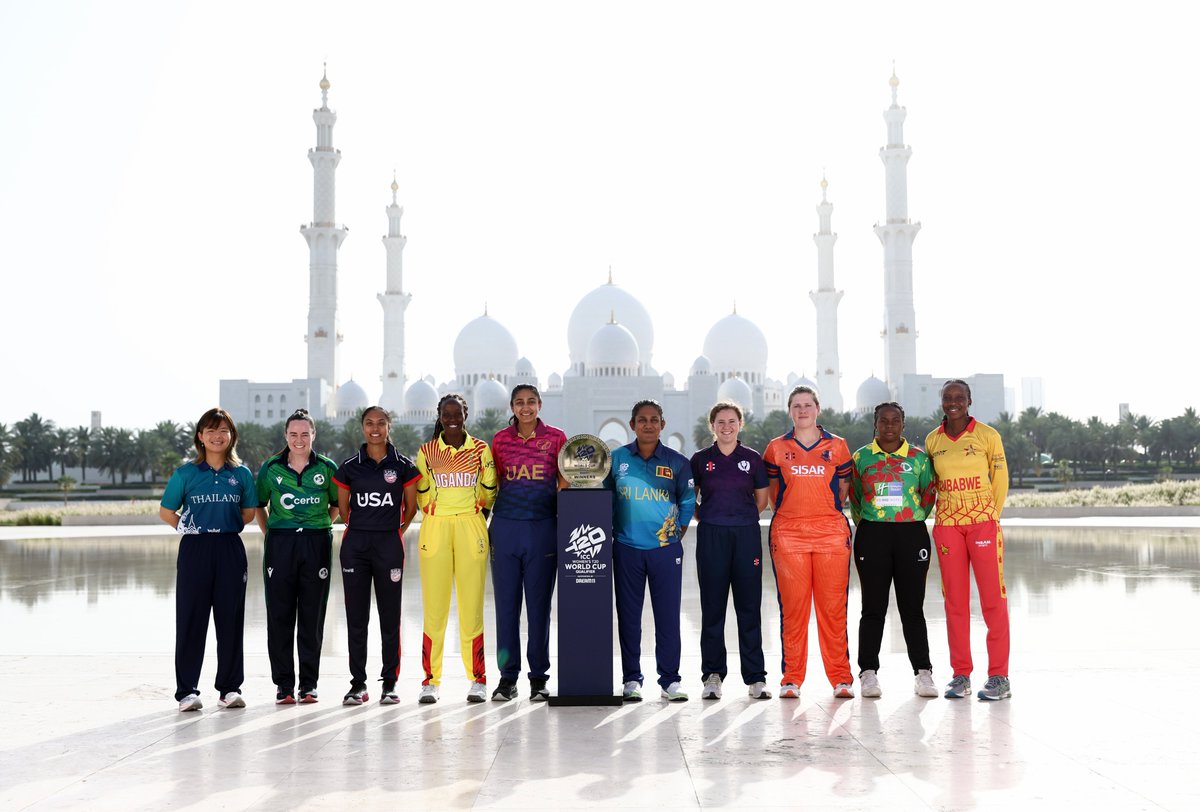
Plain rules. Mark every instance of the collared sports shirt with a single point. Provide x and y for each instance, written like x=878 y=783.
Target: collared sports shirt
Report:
x=971 y=473
x=809 y=502
x=376 y=488
x=655 y=497
x=892 y=486
x=528 y=472
x=455 y=480
x=212 y=498
x=298 y=500
x=725 y=485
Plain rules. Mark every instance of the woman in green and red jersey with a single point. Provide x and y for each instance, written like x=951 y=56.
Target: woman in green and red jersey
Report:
x=891 y=492
x=972 y=482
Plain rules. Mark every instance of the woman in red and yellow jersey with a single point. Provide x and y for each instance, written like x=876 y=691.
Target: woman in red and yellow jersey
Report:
x=972 y=482
x=808 y=475
x=457 y=487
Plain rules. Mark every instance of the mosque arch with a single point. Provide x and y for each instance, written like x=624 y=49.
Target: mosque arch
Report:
x=614 y=433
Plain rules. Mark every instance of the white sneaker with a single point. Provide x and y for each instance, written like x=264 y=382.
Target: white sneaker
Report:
x=674 y=693
x=759 y=691
x=232 y=700
x=632 y=691
x=477 y=692
x=923 y=684
x=191 y=702
x=712 y=687
x=789 y=690
x=870 y=684
x=843 y=690
x=428 y=695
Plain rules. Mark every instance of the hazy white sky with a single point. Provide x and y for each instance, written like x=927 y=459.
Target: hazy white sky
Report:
x=154 y=178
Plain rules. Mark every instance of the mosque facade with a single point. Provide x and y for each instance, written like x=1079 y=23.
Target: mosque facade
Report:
x=610 y=337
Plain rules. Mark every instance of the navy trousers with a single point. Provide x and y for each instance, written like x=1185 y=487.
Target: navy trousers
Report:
x=662 y=569
x=373 y=557
x=730 y=558
x=296 y=579
x=524 y=559
x=210 y=576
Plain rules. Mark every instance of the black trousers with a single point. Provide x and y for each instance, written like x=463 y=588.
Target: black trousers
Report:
x=210 y=576
x=887 y=553
x=296 y=579
x=373 y=557
x=730 y=559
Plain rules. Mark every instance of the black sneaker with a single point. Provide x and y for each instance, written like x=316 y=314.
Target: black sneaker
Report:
x=356 y=696
x=506 y=690
x=283 y=696
x=308 y=696
x=537 y=689
x=389 y=695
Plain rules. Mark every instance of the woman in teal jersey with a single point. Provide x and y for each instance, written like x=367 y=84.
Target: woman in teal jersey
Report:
x=299 y=500
x=209 y=500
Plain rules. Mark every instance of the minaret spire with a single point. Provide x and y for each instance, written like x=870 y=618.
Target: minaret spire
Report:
x=897 y=234
x=394 y=301
x=826 y=298
x=324 y=238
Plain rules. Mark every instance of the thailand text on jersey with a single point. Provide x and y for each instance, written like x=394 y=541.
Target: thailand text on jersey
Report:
x=376 y=488
x=971 y=473
x=655 y=497
x=297 y=499
x=725 y=485
x=455 y=480
x=894 y=486
x=809 y=497
x=212 y=498
x=528 y=472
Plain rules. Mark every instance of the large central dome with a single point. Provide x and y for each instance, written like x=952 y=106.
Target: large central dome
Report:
x=484 y=347
x=735 y=346
x=607 y=303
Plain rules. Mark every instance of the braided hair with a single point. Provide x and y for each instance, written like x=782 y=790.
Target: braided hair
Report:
x=438 y=428
x=891 y=404
x=961 y=383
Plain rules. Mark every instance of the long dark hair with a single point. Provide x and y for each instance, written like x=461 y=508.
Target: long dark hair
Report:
x=299 y=414
x=512 y=420
x=437 y=424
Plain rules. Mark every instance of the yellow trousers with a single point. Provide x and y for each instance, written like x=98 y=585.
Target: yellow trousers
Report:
x=453 y=553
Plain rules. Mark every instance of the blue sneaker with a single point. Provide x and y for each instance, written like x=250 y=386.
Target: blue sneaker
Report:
x=996 y=688
x=959 y=687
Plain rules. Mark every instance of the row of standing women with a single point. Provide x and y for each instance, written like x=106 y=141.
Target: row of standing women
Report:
x=808 y=475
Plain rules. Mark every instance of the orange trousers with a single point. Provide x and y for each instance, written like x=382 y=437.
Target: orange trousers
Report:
x=816 y=572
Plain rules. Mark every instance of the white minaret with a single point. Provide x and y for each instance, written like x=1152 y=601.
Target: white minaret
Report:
x=826 y=298
x=324 y=238
x=897 y=234
x=395 y=302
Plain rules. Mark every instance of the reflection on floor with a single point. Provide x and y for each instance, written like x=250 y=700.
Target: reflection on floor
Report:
x=1104 y=658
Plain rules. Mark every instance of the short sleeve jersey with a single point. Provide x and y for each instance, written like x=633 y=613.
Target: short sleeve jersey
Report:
x=655 y=497
x=376 y=489
x=212 y=498
x=892 y=486
x=725 y=485
x=528 y=472
x=455 y=480
x=808 y=502
x=972 y=475
x=298 y=500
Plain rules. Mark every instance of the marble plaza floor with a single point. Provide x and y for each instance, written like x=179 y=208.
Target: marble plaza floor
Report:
x=1105 y=662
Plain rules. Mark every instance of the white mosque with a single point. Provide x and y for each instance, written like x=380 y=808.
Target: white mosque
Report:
x=610 y=337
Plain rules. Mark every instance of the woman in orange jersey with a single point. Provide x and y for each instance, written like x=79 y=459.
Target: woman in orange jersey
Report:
x=972 y=482
x=808 y=471
x=457 y=487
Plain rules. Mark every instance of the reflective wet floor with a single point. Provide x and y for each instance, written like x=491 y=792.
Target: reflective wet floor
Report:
x=1105 y=661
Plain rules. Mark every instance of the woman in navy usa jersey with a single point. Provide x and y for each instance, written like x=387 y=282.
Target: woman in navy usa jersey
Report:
x=377 y=496
x=731 y=482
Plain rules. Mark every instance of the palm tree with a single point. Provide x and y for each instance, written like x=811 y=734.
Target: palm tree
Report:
x=64 y=450
x=36 y=437
x=406 y=439
x=10 y=453
x=82 y=437
x=487 y=424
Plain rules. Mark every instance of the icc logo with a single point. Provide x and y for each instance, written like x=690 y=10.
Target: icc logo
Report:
x=586 y=541
x=585 y=452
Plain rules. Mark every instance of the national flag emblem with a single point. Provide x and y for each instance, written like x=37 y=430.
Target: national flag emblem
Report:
x=390 y=477
x=664 y=471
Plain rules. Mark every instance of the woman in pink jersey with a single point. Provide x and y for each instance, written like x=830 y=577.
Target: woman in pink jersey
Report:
x=972 y=482
x=808 y=471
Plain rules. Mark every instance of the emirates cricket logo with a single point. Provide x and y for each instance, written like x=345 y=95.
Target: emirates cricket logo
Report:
x=586 y=541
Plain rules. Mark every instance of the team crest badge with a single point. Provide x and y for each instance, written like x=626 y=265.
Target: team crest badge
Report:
x=319 y=479
x=710 y=466
x=744 y=466
x=827 y=455
x=323 y=574
x=543 y=445
x=390 y=477
x=396 y=574
x=233 y=481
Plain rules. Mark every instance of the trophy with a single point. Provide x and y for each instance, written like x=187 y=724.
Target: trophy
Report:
x=584 y=461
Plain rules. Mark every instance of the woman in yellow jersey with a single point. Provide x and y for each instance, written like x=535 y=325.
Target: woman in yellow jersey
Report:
x=972 y=482
x=456 y=489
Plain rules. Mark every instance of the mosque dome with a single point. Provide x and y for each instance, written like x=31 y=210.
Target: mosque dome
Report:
x=525 y=367
x=804 y=380
x=735 y=345
x=668 y=380
x=596 y=308
x=701 y=366
x=421 y=398
x=612 y=350
x=555 y=381
x=871 y=393
x=489 y=394
x=484 y=346
x=351 y=399
x=738 y=391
